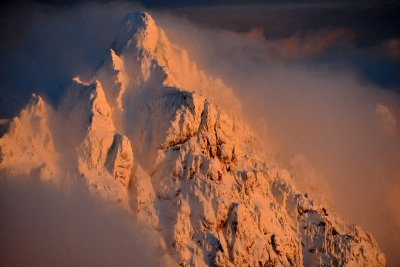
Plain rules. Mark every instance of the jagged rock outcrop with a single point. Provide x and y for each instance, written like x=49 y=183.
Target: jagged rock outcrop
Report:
x=27 y=147
x=120 y=159
x=150 y=131
x=101 y=152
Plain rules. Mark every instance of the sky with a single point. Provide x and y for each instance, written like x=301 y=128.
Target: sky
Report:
x=319 y=79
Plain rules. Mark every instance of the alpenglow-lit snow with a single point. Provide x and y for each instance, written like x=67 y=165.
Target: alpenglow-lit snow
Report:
x=152 y=133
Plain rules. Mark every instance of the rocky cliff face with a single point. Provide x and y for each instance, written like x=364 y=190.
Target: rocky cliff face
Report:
x=151 y=132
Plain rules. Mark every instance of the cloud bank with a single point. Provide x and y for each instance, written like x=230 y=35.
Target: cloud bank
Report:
x=46 y=225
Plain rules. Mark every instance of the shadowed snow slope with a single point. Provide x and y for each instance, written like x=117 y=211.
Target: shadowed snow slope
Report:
x=151 y=132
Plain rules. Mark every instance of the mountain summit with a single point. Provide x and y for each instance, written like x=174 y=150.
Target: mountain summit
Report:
x=150 y=132
x=137 y=30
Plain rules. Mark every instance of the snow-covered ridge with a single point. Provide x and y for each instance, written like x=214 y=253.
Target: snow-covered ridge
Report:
x=151 y=133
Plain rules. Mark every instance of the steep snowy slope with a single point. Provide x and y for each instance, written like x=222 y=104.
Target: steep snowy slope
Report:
x=152 y=132
x=28 y=146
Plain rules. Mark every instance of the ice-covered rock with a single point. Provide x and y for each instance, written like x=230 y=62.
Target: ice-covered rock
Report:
x=120 y=159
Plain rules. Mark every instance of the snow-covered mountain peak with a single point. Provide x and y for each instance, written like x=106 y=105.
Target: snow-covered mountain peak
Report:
x=37 y=104
x=154 y=132
x=143 y=57
x=138 y=30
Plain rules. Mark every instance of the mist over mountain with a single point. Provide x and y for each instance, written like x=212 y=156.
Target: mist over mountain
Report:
x=150 y=130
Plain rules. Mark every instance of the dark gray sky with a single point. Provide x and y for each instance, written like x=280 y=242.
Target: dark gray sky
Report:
x=373 y=20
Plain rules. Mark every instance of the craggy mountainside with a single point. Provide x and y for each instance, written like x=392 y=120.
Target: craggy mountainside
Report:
x=150 y=132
